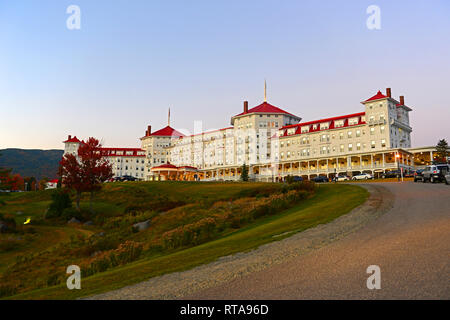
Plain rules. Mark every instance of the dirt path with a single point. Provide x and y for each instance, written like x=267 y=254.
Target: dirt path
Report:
x=410 y=244
x=230 y=268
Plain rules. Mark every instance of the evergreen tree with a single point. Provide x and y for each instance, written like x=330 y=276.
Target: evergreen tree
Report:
x=442 y=150
x=244 y=172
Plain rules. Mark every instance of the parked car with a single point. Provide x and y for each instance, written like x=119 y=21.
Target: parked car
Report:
x=126 y=178
x=391 y=174
x=418 y=175
x=342 y=178
x=297 y=179
x=319 y=179
x=447 y=178
x=409 y=174
x=362 y=176
x=435 y=173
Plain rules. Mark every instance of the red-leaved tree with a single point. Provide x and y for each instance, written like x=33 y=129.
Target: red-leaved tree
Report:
x=85 y=172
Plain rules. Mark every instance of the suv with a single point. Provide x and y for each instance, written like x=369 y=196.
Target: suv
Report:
x=435 y=173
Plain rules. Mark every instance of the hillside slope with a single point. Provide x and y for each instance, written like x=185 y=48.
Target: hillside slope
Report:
x=32 y=163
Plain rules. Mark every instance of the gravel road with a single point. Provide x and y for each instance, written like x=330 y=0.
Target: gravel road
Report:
x=269 y=271
x=410 y=243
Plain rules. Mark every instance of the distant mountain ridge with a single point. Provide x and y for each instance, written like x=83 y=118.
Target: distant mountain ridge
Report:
x=32 y=163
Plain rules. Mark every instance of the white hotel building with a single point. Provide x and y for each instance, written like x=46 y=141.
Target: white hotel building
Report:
x=275 y=143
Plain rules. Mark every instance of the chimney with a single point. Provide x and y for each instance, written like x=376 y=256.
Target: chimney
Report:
x=70 y=137
x=149 y=130
x=402 y=100
x=388 y=92
x=245 y=106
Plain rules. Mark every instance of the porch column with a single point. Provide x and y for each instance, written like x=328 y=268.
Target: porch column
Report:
x=371 y=160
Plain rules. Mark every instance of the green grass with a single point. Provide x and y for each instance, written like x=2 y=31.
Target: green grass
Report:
x=329 y=202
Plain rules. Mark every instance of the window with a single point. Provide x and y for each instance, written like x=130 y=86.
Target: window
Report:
x=324 y=126
x=341 y=135
x=349 y=134
x=372 y=131
x=382 y=129
x=383 y=143
x=350 y=147
x=305 y=129
x=372 y=144
x=338 y=123
x=358 y=146
x=341 y=148
x=353 y=121
x=358 y=133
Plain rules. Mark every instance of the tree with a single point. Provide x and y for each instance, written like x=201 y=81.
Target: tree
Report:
x=442 y=150
x=60 y=202
x=87 y=171
x=15 y=182
x=244 y=173
x=30 y=183
x=71 y=176
x=4 y=178
x=43 y=183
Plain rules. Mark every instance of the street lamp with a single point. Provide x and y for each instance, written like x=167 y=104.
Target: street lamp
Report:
x=397 y=159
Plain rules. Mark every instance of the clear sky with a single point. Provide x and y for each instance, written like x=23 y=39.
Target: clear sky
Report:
x=132 y=60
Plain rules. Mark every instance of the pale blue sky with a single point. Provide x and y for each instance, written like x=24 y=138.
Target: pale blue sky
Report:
x=132 y=60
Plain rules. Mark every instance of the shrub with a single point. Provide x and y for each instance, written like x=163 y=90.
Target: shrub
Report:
x=9 y=245
x=7 y=290
x=60 y=202
x=53 y=279
x=70 y=213
x=127 y=252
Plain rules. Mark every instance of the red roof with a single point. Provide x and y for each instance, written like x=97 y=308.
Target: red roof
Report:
x=165 y=166
x=265 y=108
x=167 y=132
x=379 y=95
x=310 y=123
x=53 y=181
x=74 y=139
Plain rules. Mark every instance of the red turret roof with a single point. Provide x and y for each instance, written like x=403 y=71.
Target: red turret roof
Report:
x=379 y=95
x=264 y=108
x=167 y=132
x=74 y=139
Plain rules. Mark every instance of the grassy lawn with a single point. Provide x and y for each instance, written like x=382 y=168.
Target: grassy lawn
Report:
x=329 y=202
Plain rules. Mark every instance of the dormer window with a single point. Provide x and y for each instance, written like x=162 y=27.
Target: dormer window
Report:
x=324 y=125
x=338 y=123
x=353 y=121
x=314 y=126
x=305 y=129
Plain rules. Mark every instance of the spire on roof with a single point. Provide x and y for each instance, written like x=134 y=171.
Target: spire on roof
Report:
x=265 y=91
x=168 y=119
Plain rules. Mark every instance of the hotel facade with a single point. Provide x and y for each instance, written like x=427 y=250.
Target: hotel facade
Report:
x=274 y=143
